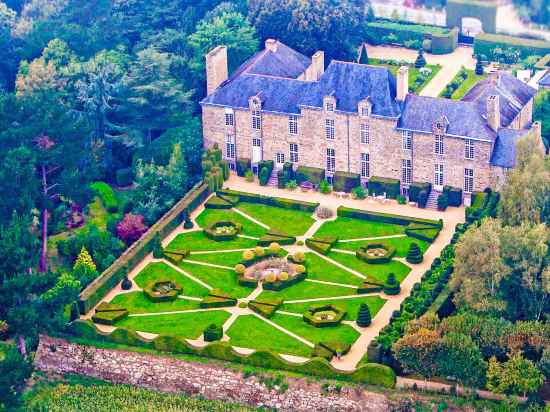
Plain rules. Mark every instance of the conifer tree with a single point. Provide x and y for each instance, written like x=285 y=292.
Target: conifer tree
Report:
x=479 y=66
x=363 y=55
x=158 y=251
x=364 y=316
x=414 y=255
x=420 y=60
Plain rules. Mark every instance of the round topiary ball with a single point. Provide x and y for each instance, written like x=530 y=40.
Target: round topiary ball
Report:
x=126 y=284
x=248 y=255
x=299 y=257
x=259 y=251
x=283 y=276
x=240 y=269
x=274 y=248
x=270 y=277
x=300 y=269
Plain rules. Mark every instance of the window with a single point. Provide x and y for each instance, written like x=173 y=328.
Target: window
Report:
x=331 y=160
x=439 y=148
x=329 y=107
x=256 y=142
x=406 y=171
x=438 y=178
x=256 y=120
x=407 y=140
x=280 y=158
x=229 y=119
x=294 y=153
x=230 y=147
x=365 y=165
x=329 y=128
x=468 y=180
x=469 y=149
x=364 y=133
x=365 y=111
x=293 y=124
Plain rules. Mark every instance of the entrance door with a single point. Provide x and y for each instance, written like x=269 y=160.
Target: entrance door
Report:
x=279 y=160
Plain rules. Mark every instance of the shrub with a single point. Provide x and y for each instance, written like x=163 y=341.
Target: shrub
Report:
x=486 y=44
x=313 y=175
x=359 y=192
x=158 y=251
x=124 y=177
x=274 y=248
x=291 y=185
x=263 y=177
x=454 y=195
x=126 y=284
x=345 y=182
x=420 y=60
x=401 y=200
x=107 y=196
x=213 y=333
x=391 y=287
x=248 y=255
x=414 y=254
x=364 y=317
x=259 y=251
x=300 y=269
x=243 y=166
x=298 y=257
x=130 y=228
x=416 y=187
x=381 y=185
x=324 y=187
x=249 y=176
x=324 y=212
x=240 y=269
x=422 y=199
x=283 y=276
x=442 y=202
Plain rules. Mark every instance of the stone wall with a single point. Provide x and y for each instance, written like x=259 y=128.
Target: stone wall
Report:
x=210 y=380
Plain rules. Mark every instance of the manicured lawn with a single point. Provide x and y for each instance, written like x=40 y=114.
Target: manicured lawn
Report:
x=223 y=279
x=159 y=271
x=223 y=259
x=186 y=325
x=137 y=302
x=309 y=290
x=349 y=228
x=340 y=333
x=319 y=269
x=379 y=271
x=209 y=216
x=414 y=73
x=198 y=241
x=401 y=245
x=293 y=222
x=250 y=332
x=351 y=306
x=467 y=84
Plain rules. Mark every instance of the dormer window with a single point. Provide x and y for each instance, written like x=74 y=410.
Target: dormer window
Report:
x=329 y=107
x=365 y=111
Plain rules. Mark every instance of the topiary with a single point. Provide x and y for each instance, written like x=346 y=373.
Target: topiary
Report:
x=442 y=202
x=274 y=248
x=158 y=251
x=263 y=177
x=259 y=251
x=479 y=66
x=240 y=269
x=420 y=60
x=248 y=255
x=187 y=223
x=126 y=283
x=414 y=255
x=270 y=277
x=283 y=276
x=213 y=333
x=422 y=198
x=298 y=257
x=391 y=287
x=300 y=269
x=363 y=316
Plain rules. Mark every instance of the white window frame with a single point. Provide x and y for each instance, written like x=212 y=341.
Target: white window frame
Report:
x=365 y=111
x=364 y=133
x=331 y=160
x=468 y=180
x=406 y=171
x=293 y=150
x=439 y=176
x=469 y=149
x=293 y=124
x=280 y=158
x=365 y=165
x=407 y=139
x=229 y=118
x=230 y=149
x=439 y=147
x=256 y=142
x=256 y=119
x=329 y=107
x=329 y=129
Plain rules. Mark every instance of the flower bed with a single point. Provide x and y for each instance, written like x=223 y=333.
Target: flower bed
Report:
x=162 y=291
x=375 y=253
x=223 y=230
x=324 y=316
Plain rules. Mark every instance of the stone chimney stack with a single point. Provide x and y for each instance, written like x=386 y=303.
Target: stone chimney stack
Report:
x=493 y=112
x=402 y=83
x=216 y=68
x=318 y=63
x=271 y=45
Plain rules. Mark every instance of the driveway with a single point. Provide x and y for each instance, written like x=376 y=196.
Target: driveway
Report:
x=450 y=63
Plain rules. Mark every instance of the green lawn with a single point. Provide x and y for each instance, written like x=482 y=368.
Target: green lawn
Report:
x=155 y=272
x=197 y=241
x=293 y=222
x=349 y=228
x=186 y=325
x=414 y=73
x=319 y=269
x=379 y=271
x=250 y=332
x=466 y=84
x=209 y=216
x=137 y=302
x=340 y=333
x=309 y=290
x=351 y=306
x=224 y=259
x=401 y=245
x=223 y=279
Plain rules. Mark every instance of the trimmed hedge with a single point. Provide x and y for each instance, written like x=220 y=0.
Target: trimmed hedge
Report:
x=444 y=43
x=283 y=284
x=362 y=253
x=216 y=202
x=423 y=232
x=380 y=185
x=343 y=211
x=107 y=196
x=485 y=43
x=270 y=201
x=210 y=231
x=369 y=287
x=165 y=297
x=486 y=12
x=454 y=195
x=243 y=165
x=319 y=246
x=367 y=374
x=213 y=333
x=345 y=182
x=278 y=237
x=309 y=316
x=97 y=290
x=265 y=306
x=414 y=254
x=109 y=317
x=313 y=175
x=416 y=187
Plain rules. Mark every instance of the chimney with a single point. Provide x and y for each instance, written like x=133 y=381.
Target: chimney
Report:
x=318 y=63
x=271 y=45
x=493 y=112
x=402 y=83
x=216 y=68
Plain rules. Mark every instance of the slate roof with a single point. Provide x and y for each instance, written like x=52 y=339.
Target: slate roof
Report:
x=284 y=62
x=421 y=112
x=545 y=81
x=349 y=83
x=504 y=152
x=513 y=93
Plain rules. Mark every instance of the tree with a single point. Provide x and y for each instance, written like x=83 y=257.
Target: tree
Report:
x=131 y=228
x=417 y=352
x=420 y=59
x=84 y=268
x=363 y=55
x=14 y=371
x=414 y=254
x=479 y=66
x=18 y=247
x=158 y=251
x=364 y=316
x=516 y=376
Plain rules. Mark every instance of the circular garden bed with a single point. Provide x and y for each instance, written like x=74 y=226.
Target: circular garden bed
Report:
x=324 y=316
x=162 y=291
x=223 y=230
x=376 y=252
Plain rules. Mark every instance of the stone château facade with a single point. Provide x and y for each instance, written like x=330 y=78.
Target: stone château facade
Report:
x=283 y=106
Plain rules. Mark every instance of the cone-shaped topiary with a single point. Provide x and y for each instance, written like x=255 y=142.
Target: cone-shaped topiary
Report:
x=158 y=251
x=391 y=287
x=213 y=333
x=479 y=66
x=187 y=223
x=414 y=255
x=126 y=283
x=363 y=55
x=420 y=60
x=364 y=316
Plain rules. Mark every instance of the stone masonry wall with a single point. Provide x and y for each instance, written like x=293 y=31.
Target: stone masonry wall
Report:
x=209 y=380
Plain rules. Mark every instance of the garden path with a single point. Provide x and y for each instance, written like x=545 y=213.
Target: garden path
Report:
x=332 y=298
x=247 y=216
x=212 y=265
x=323 y=282
x=209 y=252
x=338 y=264
x=347 y=252
x=183 y=272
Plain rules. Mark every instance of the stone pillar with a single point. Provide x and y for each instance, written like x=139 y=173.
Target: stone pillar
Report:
x=493 y=112
x=402 y=83
x=216 y=68
x=318 y=63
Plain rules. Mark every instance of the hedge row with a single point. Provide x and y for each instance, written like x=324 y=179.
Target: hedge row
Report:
x=485 y=11
x=271 y=201
x=310 y=174
x=372 y=374
x=343 y=211
x=97 y=290
x=362 y=253
x=485 y=44
x=380 y=185
x=345 y=182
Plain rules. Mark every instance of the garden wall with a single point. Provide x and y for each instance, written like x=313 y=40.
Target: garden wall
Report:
x=97 y=290
x=209 y=380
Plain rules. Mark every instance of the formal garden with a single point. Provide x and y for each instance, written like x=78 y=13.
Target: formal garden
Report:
x=268 y=274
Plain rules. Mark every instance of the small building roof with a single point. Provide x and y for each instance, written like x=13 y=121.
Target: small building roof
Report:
x=504 y=152
x=545 y=81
